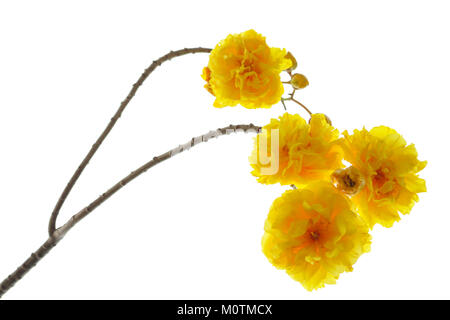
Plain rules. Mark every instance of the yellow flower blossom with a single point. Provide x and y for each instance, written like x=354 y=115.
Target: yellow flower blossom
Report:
x=389 y=167
x=244 y=70
x=313 y=234
x=306 y=151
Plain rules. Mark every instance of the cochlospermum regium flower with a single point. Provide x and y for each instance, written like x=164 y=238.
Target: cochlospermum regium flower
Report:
x=306 y=152
x=313 y=234
x=389 y=168
x=244 y=70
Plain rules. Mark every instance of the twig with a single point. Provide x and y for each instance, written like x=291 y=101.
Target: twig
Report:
x=302 y=105
x=96 y=145
x=58 y=234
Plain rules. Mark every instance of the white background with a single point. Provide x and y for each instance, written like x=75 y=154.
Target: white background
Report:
x=191 y=227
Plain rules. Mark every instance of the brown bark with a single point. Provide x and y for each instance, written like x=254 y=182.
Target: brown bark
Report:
x=58 y=234
x=101 y=138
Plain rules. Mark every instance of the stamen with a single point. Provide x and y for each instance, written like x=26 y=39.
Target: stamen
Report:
x=348 y=180
x=314 y=235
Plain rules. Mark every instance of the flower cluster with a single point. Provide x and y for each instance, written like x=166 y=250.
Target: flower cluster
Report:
x=320 y=228
x=306 y=227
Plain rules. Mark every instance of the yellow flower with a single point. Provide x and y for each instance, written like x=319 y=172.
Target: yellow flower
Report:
x=389 y=168
x=313 y=235
x=305 y=153
x=244 y=70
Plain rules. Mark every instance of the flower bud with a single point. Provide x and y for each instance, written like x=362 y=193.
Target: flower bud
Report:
x=291 y=57
x=328 y=120
x=299 y=81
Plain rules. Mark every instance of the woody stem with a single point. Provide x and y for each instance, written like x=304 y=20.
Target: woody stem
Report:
x=59 y=233
x=101 y=138
x=291 y=98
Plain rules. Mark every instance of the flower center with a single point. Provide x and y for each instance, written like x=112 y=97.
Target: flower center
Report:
x=348 y=180
x=380 y=178
x=314 y=235
x=383 y=184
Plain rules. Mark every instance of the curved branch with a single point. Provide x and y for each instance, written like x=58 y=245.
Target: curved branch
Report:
x=96 y=145
x=58 y=234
